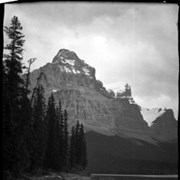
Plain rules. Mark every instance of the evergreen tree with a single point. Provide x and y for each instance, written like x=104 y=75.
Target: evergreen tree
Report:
x=8 y=129
x=13 y=60
x=62 y=141
x=16 y=109
x=52 y=151
x=77 y=144
x=60 y=135
x=65 y=140
x=39 y=131
x=72 y=152
x=83 y=150
x=78 y=151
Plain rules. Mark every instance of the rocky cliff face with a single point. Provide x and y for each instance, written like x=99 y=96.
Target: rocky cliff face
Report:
x=165 y=126
x=73 y=82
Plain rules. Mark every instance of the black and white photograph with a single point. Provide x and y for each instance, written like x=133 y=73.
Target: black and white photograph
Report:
x=90 y=91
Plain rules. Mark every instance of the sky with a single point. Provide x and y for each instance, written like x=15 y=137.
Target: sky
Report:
x=130 y=43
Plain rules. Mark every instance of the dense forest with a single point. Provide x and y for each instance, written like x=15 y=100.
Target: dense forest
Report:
x=35 y=130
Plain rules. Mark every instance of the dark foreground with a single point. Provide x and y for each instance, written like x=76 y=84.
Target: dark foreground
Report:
x=132 y=177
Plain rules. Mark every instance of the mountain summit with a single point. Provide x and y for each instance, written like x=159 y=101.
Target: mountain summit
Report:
x=65 y=54
x=69 y=62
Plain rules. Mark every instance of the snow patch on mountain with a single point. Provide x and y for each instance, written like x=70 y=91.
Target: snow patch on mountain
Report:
x=149 y=115
x=70 y=61
x=67 y=69
x=75 y=71
x=71 y=70
x=86 y=71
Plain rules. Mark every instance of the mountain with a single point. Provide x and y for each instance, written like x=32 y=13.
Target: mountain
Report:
x=162 y=122
x=73 y=82
x=114 y=119
x=165 y=125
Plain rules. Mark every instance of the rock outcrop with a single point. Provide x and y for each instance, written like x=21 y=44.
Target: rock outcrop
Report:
x=165 y=126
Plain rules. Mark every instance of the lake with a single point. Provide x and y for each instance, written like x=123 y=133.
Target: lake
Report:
x=132 y=177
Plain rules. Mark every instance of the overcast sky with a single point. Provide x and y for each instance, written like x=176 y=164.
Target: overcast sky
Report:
x=126 y=43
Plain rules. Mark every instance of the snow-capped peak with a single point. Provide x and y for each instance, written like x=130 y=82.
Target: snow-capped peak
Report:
x=65 y=55
x=70 y=63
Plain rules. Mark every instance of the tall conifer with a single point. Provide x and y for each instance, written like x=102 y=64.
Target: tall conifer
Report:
x=52 y=151
x=83 y=150
x=50 y=118
x=77 y=144
x=65 y=139
x=72 y=150
x=16 y=104
x=59 y=135
x=39 y=131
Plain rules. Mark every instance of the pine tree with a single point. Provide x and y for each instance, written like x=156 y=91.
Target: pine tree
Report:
x=77 y=144
x=62 y=134
x=39 y=131
x=8 y=128
x=16 y=109
x=13 y=60
x=65 y=140
x=50 y=115
x=78 y=149
x=83 y=149
x=59 y=135
x=72 y=152
x=52 y=151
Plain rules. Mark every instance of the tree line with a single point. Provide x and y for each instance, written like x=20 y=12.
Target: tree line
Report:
x=35 y=133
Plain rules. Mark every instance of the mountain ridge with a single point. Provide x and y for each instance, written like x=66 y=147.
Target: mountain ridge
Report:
x=73 y=82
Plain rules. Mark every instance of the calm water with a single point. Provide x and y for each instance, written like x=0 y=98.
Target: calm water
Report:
x=132 y=177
